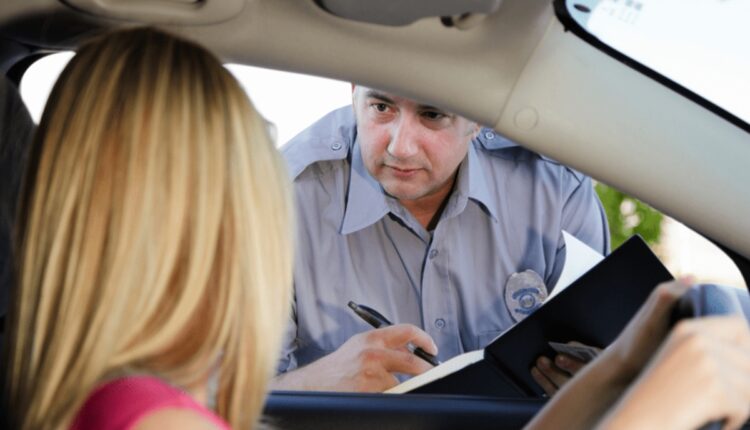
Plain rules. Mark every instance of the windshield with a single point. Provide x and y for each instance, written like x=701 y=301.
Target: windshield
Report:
x=700 y=45
x=293 y=102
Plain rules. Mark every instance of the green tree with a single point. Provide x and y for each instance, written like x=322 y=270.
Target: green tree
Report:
x=628 y=216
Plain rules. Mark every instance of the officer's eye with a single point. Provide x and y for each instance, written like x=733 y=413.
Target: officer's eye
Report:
x=380 y=107
x=433 y=115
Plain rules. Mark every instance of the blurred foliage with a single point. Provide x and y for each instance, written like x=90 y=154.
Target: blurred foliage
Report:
x=628 y=216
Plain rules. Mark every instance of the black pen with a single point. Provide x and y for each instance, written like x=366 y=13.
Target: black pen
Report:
x=377 y=320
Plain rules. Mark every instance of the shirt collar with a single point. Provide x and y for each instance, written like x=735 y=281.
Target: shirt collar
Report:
x=366 y=202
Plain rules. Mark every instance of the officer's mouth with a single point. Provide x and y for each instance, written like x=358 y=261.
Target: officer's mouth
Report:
x=401 y=172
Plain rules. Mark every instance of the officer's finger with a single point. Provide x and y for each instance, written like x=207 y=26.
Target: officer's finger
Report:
x=397 y=361
x=555 y=375
x=398 y=336
x=375 y=379
x=543 y=382
x=569 y=364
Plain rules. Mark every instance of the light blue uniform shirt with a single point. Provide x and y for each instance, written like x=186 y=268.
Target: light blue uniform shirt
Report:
x=354 y=242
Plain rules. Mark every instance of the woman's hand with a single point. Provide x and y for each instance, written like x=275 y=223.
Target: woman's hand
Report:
x=701 y=374
x=640 y=339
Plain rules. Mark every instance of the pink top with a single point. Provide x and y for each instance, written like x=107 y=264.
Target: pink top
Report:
x=121 y=403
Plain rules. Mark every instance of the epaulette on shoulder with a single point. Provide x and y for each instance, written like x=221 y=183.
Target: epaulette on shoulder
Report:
x=330 y=138
x=501 y=146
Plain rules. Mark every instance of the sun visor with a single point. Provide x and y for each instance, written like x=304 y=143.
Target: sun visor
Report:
x=183 y=12
x=401 y=12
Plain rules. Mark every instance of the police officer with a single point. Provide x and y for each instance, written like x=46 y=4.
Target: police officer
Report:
x=448 y=229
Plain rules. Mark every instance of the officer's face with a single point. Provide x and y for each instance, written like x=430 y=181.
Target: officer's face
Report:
x=413 y=150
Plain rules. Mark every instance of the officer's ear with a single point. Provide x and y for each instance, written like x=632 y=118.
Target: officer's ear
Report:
x=354 y=94
x=354 y=100
x=474 y=129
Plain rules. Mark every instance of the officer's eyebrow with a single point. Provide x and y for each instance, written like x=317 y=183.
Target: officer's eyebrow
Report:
x=373 y=94
x=432 y=108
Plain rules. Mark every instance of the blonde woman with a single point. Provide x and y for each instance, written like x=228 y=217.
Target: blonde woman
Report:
x=155 y=251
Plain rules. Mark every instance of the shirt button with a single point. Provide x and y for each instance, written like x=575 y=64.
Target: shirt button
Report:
x=439 y=323
x=489 y=135
x=434 y=253
x=336 y=146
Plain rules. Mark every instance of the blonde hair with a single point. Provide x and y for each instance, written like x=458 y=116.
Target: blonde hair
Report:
x=157 y=233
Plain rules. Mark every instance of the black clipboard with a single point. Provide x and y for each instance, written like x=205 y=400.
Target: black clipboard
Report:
x=593 y=310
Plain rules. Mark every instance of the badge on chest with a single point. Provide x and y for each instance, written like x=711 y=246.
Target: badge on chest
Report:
x=524 y=293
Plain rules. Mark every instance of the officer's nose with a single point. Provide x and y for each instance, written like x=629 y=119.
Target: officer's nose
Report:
x=403 y=142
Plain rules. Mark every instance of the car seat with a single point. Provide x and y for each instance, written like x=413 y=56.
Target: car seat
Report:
x=16 y=130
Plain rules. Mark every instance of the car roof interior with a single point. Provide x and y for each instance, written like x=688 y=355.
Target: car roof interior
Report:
x=509 y=64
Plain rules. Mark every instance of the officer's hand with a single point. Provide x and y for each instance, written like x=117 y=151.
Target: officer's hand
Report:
x=551 y=376
x=366 y=362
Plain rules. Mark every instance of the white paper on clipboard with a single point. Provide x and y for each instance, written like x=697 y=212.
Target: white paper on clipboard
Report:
x=579 y=258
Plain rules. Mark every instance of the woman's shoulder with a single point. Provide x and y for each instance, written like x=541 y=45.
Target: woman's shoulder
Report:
x=143 y=402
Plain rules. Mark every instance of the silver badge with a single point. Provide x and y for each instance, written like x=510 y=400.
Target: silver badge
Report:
x=524 y=293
